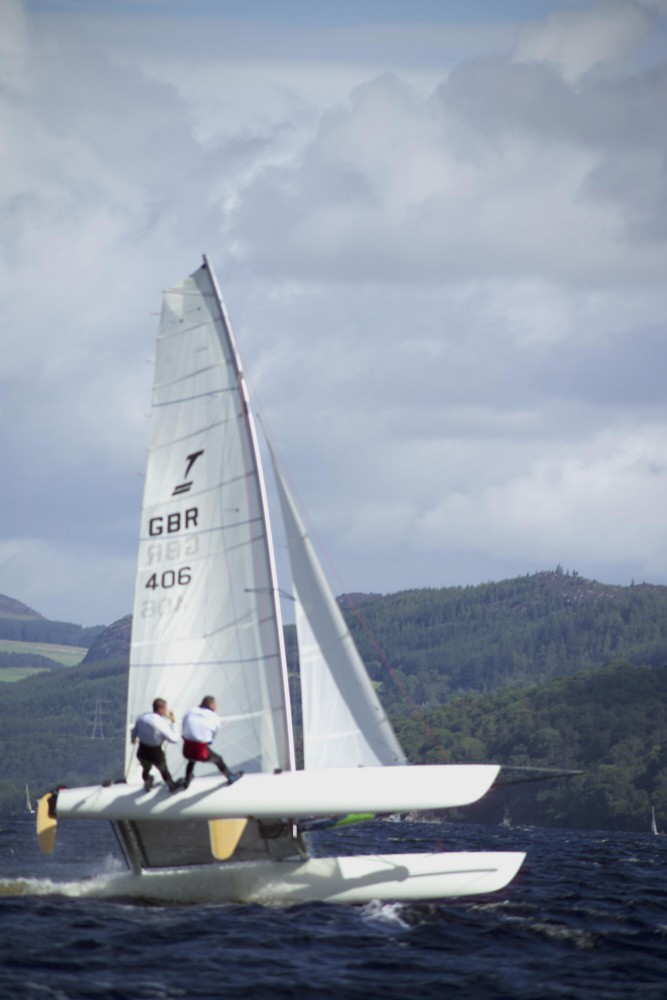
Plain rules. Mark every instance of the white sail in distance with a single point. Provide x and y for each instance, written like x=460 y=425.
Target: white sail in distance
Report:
x=206 y=614
x=344 y=724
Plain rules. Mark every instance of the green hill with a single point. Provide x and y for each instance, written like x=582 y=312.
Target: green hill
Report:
x=30 y=643
x=16 y=610
x=610 y=723
x=446 y=642
x=20 y=623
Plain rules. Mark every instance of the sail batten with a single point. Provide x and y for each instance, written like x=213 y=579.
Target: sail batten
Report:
x=180 y=379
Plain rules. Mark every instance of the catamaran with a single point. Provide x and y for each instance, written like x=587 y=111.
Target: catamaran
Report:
x=207 y=620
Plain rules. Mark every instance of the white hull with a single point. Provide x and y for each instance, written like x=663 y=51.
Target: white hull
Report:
x=292 y=794
x=355 y=879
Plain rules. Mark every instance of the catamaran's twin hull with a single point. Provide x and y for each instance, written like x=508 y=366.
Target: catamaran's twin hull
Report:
x=354 y=879
x=161 y=835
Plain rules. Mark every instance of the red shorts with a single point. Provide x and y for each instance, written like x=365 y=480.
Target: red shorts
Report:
x=195 y=751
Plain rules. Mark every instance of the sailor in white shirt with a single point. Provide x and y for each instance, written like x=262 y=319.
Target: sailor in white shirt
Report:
x=200 y=726
x=152 y=729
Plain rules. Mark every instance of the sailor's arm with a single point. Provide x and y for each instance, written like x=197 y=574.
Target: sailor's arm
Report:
x=169 y=728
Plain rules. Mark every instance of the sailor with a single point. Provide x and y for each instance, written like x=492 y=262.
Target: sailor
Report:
x=199 y=728
x=152 y=729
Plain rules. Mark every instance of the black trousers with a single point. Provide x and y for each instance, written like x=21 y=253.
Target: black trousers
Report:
x=150 y=757
x=213 y=758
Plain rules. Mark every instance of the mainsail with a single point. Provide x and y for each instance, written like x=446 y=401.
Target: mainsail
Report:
x=206 y=614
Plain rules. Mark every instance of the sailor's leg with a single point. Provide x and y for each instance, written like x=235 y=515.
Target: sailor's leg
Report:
x=216 y=759
x=164 y=771
x=146 y=775
x=231 y=776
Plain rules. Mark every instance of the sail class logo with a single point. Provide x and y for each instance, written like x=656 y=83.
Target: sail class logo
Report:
x=186 y=485
x=178 y=520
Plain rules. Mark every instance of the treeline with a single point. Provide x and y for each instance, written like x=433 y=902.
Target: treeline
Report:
x=43 y=630
x=428 y=646
x=611 y=724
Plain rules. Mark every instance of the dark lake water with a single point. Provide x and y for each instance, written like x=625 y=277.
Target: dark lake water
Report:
x=585 y=918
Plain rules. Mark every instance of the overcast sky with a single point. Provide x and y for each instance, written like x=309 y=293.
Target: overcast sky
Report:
x=440 y=229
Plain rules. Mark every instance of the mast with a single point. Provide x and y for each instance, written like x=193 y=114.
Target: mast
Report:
x=269 y=547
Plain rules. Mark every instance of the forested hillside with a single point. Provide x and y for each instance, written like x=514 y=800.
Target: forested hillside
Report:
x=612 y=724
x=549 y=670
x=442 y=643
x=64 y=727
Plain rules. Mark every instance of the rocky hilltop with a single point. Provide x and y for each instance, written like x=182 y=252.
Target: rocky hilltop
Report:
x=111 y=644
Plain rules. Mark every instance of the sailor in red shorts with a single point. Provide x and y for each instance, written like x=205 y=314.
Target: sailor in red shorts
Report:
x=199 y=728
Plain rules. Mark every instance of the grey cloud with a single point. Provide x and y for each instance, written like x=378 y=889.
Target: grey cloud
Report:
x=495 y=96
x=497 y=143
x=625 y=370
x=577 y=41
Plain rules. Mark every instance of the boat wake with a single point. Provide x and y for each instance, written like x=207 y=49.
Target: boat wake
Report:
x=121 y=886
x=385 y=913
x=109 y=880
x=47 y=887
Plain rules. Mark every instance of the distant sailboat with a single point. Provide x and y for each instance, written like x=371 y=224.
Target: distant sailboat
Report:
x=654 y=825
x=28 y=803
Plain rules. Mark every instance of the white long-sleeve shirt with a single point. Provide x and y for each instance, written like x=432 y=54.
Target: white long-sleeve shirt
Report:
x=152 y=730
x=200 y=725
